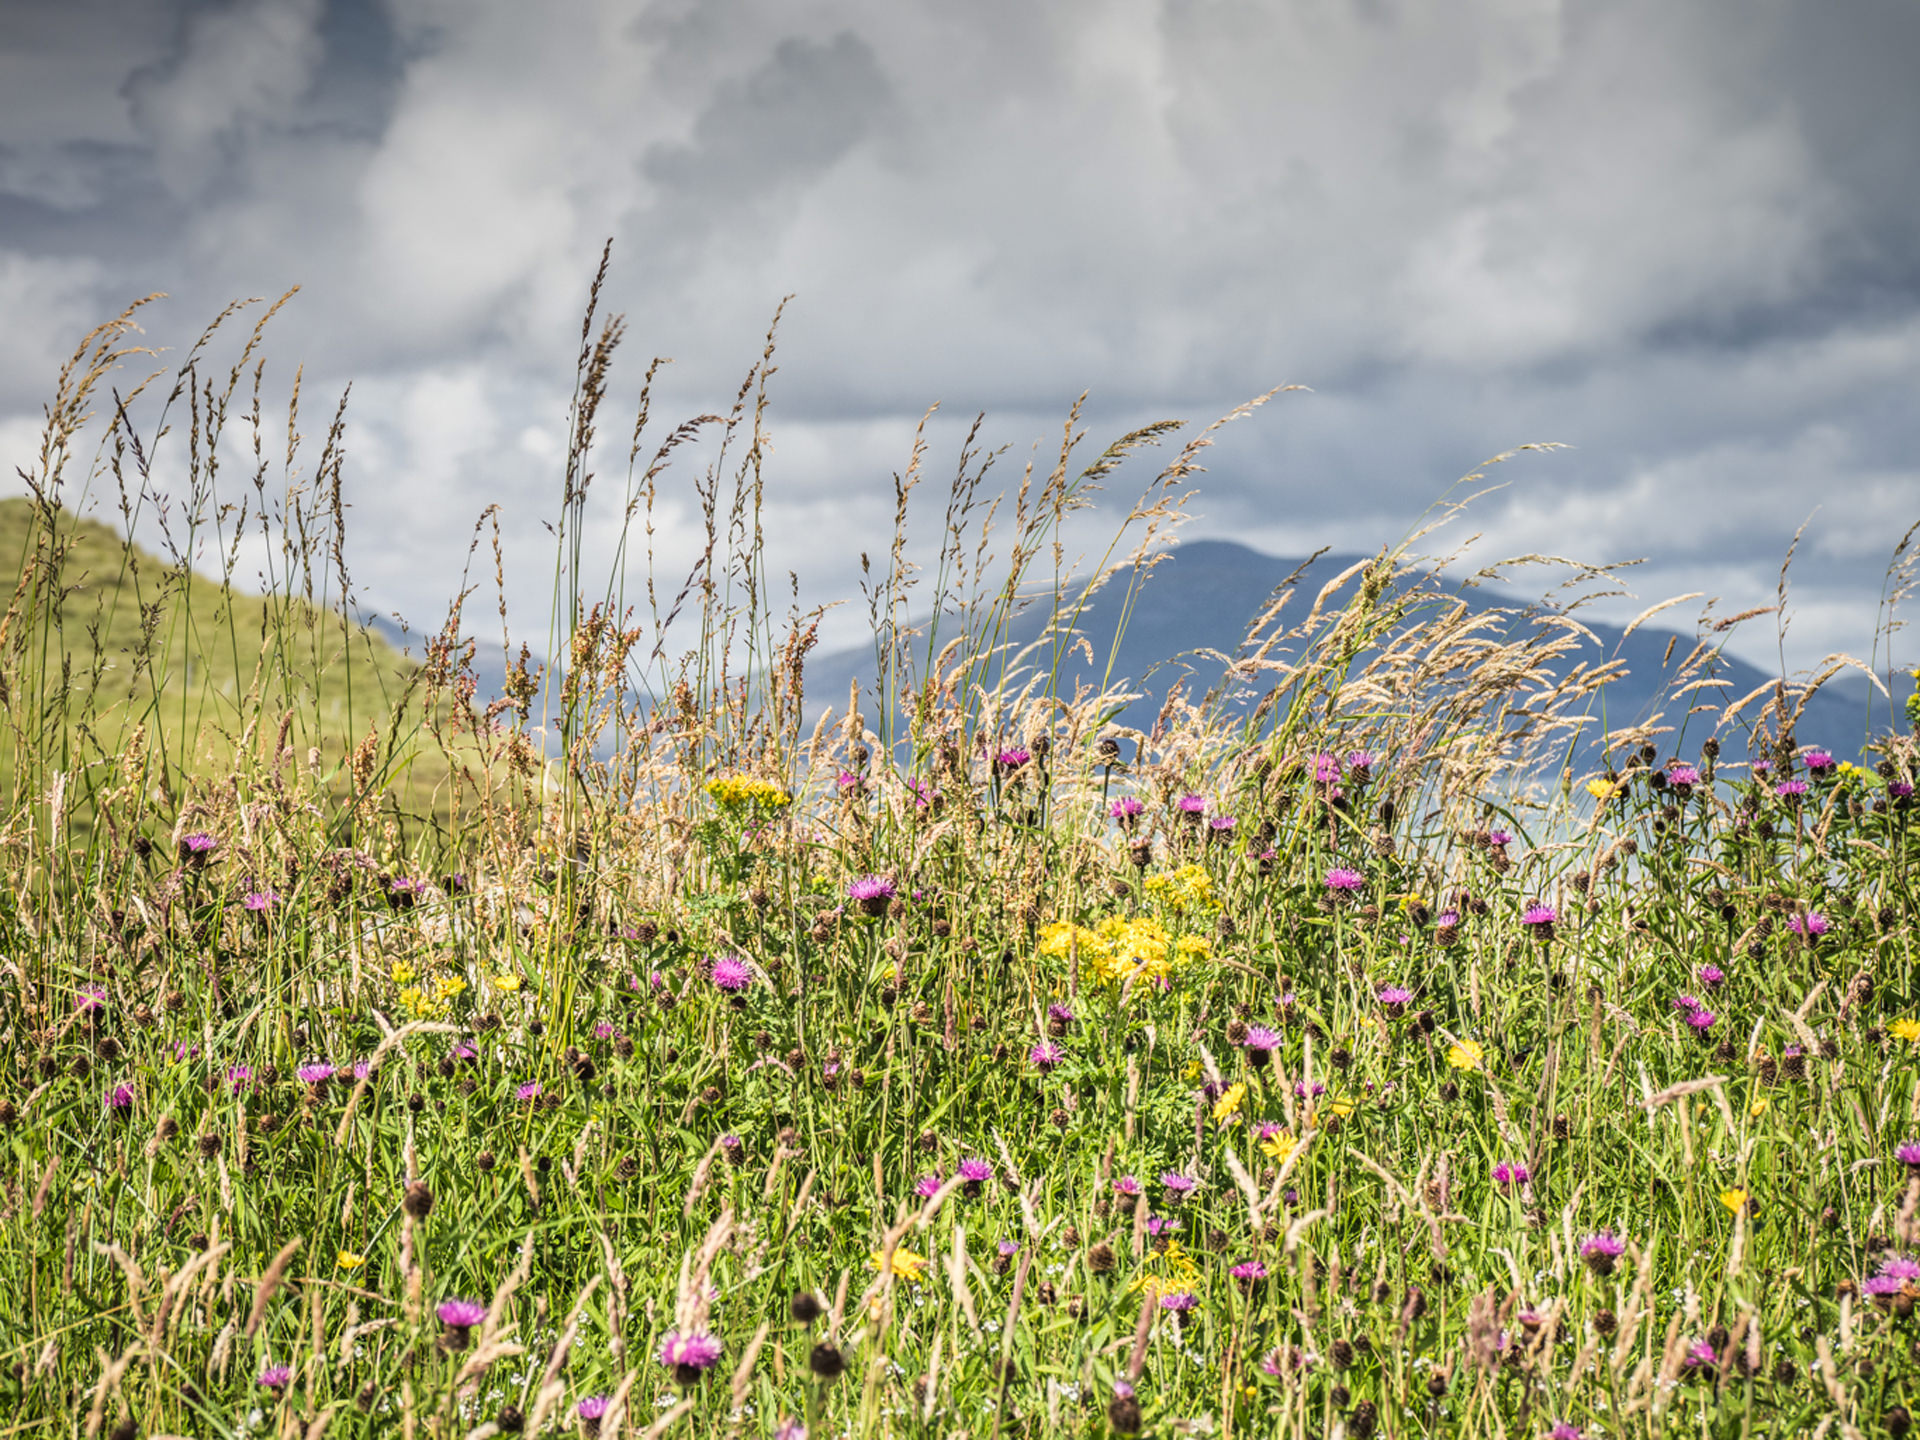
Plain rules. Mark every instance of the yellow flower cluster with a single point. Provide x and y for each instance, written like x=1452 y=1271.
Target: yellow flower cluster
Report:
x=426 y=1001
x=731 y=792
x=1122 y=950
x=1167 y=1270
x=1907 y=1029
x=1188 y=888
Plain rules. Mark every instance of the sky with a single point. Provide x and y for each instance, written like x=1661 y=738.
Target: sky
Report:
x=1681 y=241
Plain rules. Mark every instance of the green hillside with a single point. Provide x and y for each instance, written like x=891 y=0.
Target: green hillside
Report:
x=108 y=647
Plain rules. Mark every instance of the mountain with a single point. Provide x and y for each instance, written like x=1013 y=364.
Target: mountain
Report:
x=1208 y=591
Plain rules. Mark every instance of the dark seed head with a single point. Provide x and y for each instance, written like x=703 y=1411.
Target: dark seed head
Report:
x=1123 y=1413
x=418 y=1201
x=826 y=1361
x=804 y=1307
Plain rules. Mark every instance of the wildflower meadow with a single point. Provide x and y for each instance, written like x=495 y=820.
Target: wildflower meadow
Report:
x=1369 y=1044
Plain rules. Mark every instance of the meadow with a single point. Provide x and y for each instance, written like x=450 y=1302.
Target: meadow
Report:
x=624 y=1056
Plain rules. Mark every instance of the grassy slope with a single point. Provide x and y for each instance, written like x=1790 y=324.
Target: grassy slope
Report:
x=132 y=644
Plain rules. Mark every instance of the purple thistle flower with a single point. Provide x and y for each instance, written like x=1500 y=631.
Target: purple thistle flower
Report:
x=592 y=1408
x=1220 y=824
x=197 y=846
x=1046 y=1056
x=603 y=1030
x=1510 y=1173
x=1711 y=975
x=1761 y=767
x=1180 y=1301
x=872 y=893
x=1682 y=777
x=927 y=1186
x=1539 y=915
x=1180 y=1185
x=464 y=1051
x=362 y=1069
x=1900 y=789
x=694 y=1349
x=974 y=1171
x=847 y=780
x=1326 y=768
x=1395 y=998
x=1249 y=1270
x=1818 y=761
x=1060 y=1014
x=1260 y=1040
x=1600 y=1250
x=258 y=900
x=1900 y=1267
x=461 y=1314
x=1499 y=839
x=1008 y=1249
x=1341 y=879
x=731 y=973
x=240 y=1078
x=528 y=1091
x=1908 y=1154
x=1564 y=1430
x=1700 y=1355
x=1127 y=1185
x=275 y=1377
x=1878 y=1285
x=91 y=998
x=1126 y=809
x=120 y=1097
x=1790 y=789
x=1812 y=923
x=1360 y=762
x=1701 y=1020
x=1190 y=804
x=1012 y=758
x=1686 y=1002
x=316 y=1073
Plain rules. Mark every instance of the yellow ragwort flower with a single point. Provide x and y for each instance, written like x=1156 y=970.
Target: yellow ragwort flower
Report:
x=1601 y=789
x=1188 y=888
x=906 y=1264
x=403 y=972
x=349 y=1260
x=1735 y=1200
x=733 y=791
x=1228 y=1103
x=1465 y=1054
x=1905 y=1029
x=1279 y=1145
x=1761 y=1104
x=507 y=982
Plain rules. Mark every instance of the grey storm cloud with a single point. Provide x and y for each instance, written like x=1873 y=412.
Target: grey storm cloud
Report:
x=1681 y=239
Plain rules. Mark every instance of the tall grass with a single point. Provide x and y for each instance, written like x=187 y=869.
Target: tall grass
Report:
x=1318 y=1055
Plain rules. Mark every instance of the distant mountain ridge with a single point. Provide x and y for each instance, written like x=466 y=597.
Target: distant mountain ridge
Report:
x=1207 y=593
